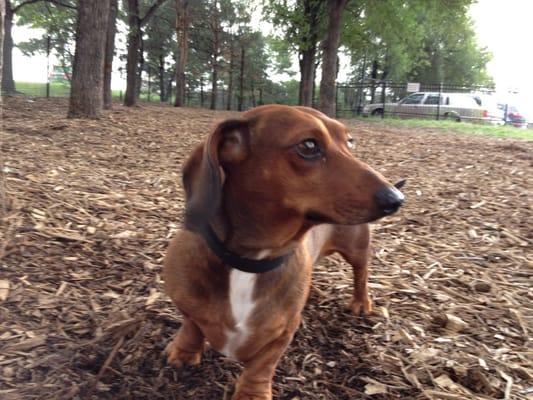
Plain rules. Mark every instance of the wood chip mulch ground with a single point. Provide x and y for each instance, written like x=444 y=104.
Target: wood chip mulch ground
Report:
x=88 y=207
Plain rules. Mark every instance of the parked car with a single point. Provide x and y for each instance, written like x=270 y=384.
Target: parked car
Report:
x=455 y=106
x=514 y=117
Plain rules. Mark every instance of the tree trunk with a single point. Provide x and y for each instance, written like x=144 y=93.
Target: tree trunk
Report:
x=161 y=74
x=329 y=60
x=182 y=25
x=313 y=95
x=140 y=69
x=230 y=77
x=215 y=27
x=168 y=94
x=241 y=79
x=307 y=76
x=214 y=85
x=202 y=92
x=374 y=77
x=8 y=84
x=86 y=95
x=134 y=44
x=109 y=53
x=308 y=52
x=252 y=89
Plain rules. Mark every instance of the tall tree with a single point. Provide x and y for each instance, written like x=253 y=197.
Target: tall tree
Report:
x=86 y=95
x=8 y=83
x=329 y=58
x=160 y=48
x=441 y=46
x=12 y=8
x=58 y=26
x=110 y=52
x=182 y=28
x=216 y=29
x=303 y=24
x=135 y=26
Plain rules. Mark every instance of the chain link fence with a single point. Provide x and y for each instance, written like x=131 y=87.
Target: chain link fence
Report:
x=379 y=98
x=370 y=98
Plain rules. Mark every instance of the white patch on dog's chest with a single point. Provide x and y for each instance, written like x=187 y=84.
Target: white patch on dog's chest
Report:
x=241 y=290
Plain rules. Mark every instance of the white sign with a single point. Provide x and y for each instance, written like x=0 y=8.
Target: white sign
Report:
x=413 y=86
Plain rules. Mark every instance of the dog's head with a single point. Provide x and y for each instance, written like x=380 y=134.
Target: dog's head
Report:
x=280 y=163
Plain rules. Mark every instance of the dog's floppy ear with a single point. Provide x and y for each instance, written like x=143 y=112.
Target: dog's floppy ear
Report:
x=203 y=174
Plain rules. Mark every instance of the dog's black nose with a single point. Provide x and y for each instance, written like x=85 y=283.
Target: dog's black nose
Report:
x=389 y=199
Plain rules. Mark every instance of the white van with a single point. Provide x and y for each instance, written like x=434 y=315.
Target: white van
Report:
x=456 y=106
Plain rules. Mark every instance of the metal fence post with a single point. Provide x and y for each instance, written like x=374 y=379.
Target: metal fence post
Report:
x=383 y=90
x=48 y=67
x=438 y=104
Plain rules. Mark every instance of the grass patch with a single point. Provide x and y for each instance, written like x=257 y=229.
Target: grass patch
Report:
x=38 y=89
x=458 y=127
x=57 y=89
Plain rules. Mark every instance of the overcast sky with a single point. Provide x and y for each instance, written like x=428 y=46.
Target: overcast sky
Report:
x=505 y=27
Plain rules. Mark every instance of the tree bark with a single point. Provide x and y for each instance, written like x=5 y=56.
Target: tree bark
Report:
x=215 y=27
x=109 y=53
x=329 y=61
x=134 y=57
x=134 y=43
x=8 y=84
x=313 y=97
x=140 y=69
x=86 y=95
x=182 y=25
x=241 y=79
x=307 y=76
x=202 y=97
x=252 y=90
x=161 y=73
x=374 y=77
x=230 y=76
x=308 y=52
x=168 y=93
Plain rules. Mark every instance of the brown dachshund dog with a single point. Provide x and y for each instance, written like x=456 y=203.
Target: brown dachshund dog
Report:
x=268 y=195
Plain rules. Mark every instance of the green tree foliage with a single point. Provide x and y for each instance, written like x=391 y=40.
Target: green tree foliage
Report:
x=423 y=40
x=303 y=23
x=231 y=64
x=450 y=52
x=58 y=23
x=160 y=47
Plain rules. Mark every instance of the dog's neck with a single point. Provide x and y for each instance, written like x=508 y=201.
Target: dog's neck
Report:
x=255 y=236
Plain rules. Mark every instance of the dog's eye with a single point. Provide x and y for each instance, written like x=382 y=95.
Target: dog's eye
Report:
x=308 y=149
x=351 y=143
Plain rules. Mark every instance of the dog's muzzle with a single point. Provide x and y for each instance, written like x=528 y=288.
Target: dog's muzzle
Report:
x=389 y=198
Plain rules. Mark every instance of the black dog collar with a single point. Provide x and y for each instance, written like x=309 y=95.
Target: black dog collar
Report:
x=236 y=261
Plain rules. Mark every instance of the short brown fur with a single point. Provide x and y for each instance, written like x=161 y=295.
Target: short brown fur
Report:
x=249 y=183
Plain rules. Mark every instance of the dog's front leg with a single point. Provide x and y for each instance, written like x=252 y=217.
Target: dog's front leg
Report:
x=187 y=345
x=360 y=302
x=255 y=382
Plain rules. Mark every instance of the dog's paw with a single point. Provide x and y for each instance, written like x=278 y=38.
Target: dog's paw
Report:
x=251 y=396
x=360 y=306
x=179 y=357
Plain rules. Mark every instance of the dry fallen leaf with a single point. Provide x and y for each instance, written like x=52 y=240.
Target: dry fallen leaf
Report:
x=4 y=289
x=375 y=388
